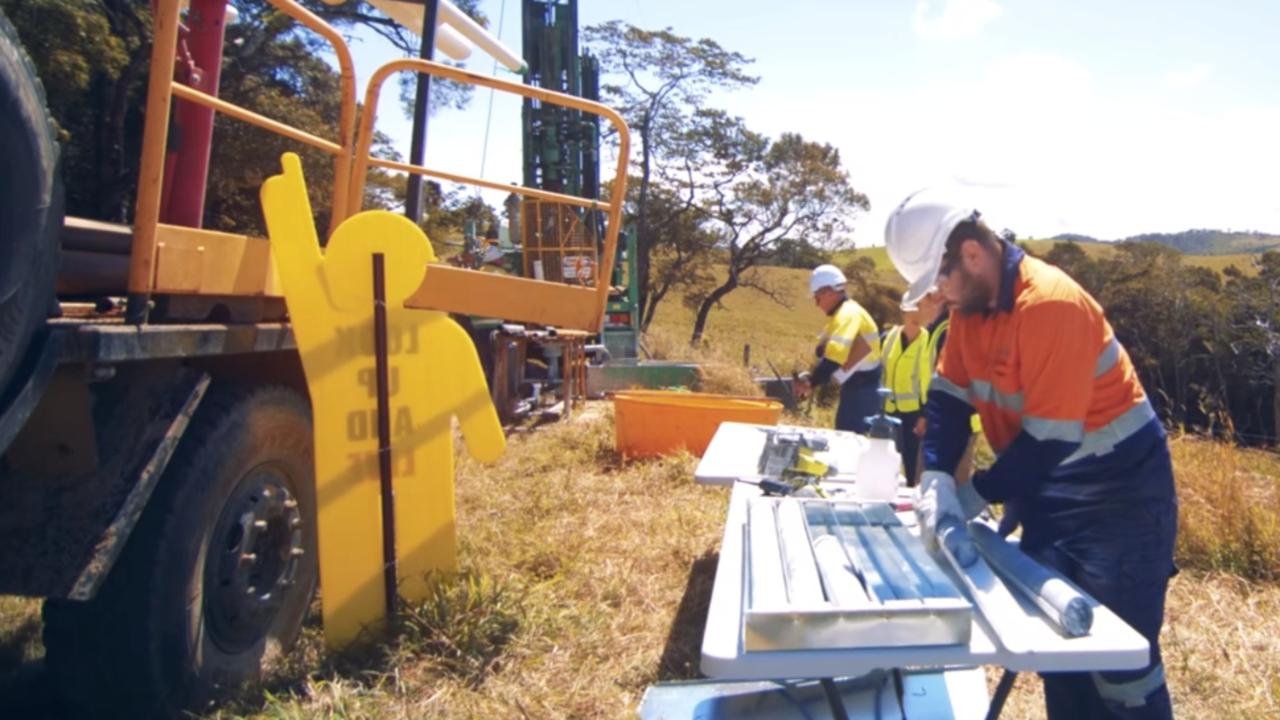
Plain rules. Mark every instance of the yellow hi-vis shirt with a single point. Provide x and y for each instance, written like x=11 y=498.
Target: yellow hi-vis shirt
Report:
x=906 y=370
x=850 y=322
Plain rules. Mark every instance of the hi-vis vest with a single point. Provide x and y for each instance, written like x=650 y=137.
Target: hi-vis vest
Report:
x=906 y=370
x=850 y=322
x=1013 y=367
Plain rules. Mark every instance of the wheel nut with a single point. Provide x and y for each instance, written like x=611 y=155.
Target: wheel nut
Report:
x=259 y=524
x=297 y=552
x=291 y=503
x=248 y=557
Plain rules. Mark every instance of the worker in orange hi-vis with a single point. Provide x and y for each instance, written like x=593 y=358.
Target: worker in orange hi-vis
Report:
x=433 y=375
x=1082 y=461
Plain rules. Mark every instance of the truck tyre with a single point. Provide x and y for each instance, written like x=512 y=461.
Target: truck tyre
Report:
x=30 y=203
x=216 y=579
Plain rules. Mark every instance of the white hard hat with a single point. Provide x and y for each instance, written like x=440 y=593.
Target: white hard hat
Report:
x=826 y=276
x=916 y=237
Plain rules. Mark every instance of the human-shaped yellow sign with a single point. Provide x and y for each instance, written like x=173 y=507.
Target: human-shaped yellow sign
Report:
x=434 y=374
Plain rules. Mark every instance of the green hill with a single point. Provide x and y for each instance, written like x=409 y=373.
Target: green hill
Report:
x=1200 y=242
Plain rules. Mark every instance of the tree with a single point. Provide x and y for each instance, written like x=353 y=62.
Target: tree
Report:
x=706 y=154
x=661 y=80
x=684 y=258
x=882 y=300
x=789 y=189
x=93 y=59
x=445 y=93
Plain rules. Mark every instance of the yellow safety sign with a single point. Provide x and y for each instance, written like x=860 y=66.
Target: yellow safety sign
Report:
x=434 y=375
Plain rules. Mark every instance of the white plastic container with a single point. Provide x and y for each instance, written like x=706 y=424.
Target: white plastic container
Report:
x=877 y=474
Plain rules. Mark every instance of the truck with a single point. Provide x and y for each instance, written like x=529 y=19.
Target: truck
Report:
x=157 y=477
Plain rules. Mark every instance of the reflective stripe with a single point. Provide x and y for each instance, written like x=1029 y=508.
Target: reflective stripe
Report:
x=986 y=392
x=1108 y=358
x=1046 y=429
x=844 y=342
x=1130 y=694
x=870 y=339
x=841 y=375
x=944 y=385
x=915 y=374
x=1104 y=439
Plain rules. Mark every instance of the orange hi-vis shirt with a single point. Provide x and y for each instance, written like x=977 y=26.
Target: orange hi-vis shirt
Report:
x=1045 y=361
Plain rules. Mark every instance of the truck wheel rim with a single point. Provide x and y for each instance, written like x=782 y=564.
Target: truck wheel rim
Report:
x=253 y=559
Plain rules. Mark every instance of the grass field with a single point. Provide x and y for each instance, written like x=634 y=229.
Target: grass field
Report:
x=586 y=577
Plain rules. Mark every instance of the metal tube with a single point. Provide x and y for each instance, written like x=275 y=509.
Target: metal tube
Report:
x=467 y=179
x=364 y=139
x=151 y=170
x=421 y=108
x=207 y=25
x=804 y=587
x=1060 y=602
x=384 y=438
x=253 y=118
x=842 y=586
x=347 y=114
x=768 y=590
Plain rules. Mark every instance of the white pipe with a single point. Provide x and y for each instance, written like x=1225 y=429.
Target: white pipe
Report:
x=451 y=43
x=456 y=23
x=471 y=30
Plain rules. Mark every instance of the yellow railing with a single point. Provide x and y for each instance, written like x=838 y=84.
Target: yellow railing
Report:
x=448 y=288
x=487 y=293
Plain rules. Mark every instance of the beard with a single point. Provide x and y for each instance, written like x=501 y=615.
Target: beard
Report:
x=975 y=294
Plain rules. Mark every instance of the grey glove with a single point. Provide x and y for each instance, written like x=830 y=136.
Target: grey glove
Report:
x=943 y=518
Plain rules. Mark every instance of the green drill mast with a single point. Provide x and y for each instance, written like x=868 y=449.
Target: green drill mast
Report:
x=562 y=146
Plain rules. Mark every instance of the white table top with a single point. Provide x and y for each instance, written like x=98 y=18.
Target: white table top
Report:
x=1019 y=639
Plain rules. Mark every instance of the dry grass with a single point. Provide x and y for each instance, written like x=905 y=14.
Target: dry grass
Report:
x=20 y=643
x=1219 y=645
x=726 y=379
x=1228 y=516
x=587 y=579
x=781 y=334
x=613 y=563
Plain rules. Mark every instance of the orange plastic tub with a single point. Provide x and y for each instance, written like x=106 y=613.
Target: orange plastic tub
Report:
x=657 y=422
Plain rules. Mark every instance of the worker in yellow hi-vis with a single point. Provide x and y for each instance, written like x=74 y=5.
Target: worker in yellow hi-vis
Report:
x=433 y=376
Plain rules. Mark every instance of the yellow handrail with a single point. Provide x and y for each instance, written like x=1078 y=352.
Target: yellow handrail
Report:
x=253 y=118
x=160 y=91
x=466 y=179
x=364 y=140
x=155 y=135
x=550 y=301
x=347 y=114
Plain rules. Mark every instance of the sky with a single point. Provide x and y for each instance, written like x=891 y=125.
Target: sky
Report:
x=1095 y=117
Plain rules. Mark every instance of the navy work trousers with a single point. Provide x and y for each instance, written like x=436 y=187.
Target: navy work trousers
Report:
x=858 y=401
x=908 y=443
x=1124 y=559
